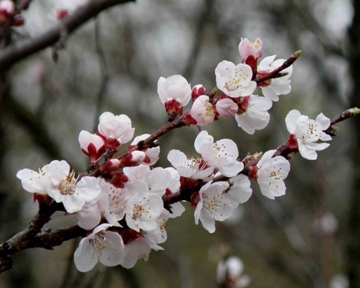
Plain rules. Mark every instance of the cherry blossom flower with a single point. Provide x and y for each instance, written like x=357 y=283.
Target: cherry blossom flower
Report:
x=110 y=205
x=101 y=245
x=307 y=132
x=116 y=129
x=215 y=202
x=157 y=179
x=255 y=115
x=39 y=182
x=92 y=145
x=247 y=48
x=221 y=154
x=189 y=167
x=202 y=111
x=174 y=93
x=142 y=208
x=271 y=174
x=229 y=273
x=234 y=80
x=69 y=191
x=272 y=88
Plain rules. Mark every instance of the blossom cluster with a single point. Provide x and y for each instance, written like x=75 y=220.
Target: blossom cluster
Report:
x=122 y=201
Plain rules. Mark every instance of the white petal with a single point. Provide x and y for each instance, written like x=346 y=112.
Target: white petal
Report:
x=291 y=120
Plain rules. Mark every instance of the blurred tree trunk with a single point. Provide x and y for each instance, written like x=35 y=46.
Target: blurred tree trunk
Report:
x=353 y=227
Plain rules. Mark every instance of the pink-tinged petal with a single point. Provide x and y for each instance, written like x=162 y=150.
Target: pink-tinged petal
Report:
x=202 y=111
x=226 y=107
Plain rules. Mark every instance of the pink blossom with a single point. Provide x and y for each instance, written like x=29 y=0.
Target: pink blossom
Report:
x=92 y=145
x=226 y=107
x=202 y=111
x=247 y=48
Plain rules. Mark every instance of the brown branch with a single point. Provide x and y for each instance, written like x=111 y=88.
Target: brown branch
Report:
x=10 y=55
x=282 y=150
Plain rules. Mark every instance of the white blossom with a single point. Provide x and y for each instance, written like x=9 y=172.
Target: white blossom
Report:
x=101 y=245
x=216 y=202
x=276 y=86
x=221 y=154
x=256 y=116
x=234 y=80
x=115 y=127
x=174 y=87
x=271 y=174
x=308 y=132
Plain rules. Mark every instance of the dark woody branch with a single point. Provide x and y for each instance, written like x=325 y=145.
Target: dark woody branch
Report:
x=22 y=49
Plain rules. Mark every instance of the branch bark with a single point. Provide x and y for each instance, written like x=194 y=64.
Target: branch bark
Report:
x=22 y=49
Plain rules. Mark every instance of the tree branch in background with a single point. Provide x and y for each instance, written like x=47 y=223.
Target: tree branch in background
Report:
x=22 y=49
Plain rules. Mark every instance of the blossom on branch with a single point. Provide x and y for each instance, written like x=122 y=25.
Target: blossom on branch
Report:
x=250 y=49
x=91 y=145
x=274 y=87
x=217 y=200
x=306 y=132
x=253 y=114
x=35 y=182
x=174 y=93
x=115 y=129
x=221 y=154
x=271 y=173
x=202 y=111
x=234 y=80
x=101 y=245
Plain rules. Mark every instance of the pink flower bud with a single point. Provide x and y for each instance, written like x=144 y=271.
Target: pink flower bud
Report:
x=226 y=107
x=110 y=165
x=202 y=111
x=133 y=159
x=92 y=145
x=247 y=48
x=7 y=7
x=197 y=91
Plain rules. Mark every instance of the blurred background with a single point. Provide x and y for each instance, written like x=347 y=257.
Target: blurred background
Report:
x=308 y=238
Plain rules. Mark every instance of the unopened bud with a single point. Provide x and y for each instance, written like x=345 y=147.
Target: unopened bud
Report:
x=197 y=91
